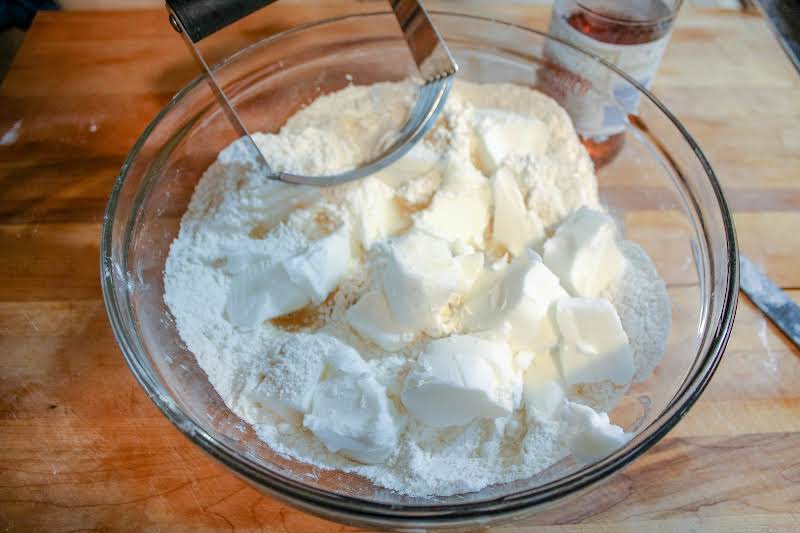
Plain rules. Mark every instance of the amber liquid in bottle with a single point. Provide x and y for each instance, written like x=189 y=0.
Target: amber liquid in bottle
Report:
x=639 y=28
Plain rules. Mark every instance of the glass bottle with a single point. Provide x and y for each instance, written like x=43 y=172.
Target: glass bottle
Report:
x=633 y=35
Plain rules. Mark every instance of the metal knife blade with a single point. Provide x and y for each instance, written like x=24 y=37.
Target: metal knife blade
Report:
x=773 y=301
x=783 y=17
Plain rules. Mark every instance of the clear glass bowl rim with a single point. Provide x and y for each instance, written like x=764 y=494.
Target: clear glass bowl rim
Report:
x=352 y=509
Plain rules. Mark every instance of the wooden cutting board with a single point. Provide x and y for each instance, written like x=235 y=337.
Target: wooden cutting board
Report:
x=82 y=447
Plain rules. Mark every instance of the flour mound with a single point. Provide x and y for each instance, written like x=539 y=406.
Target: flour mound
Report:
x=238 y=218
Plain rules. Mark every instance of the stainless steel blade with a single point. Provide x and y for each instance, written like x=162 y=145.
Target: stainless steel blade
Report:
x=427 y=46
x=222 y=99
x=434 y=61
x=773 y=301
x=783 y=16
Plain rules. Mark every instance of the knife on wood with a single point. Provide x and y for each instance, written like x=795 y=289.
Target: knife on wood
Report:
x=773 y=302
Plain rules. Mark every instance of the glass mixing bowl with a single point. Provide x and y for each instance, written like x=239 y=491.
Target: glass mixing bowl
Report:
x=660 y=187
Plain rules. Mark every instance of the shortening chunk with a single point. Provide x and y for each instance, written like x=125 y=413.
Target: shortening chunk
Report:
x=419 y=161
x=520 y=295
x=594 y=347
x=542 y=388
x=286 y=377
x=502 y=133
x=322 y=266
x=352 y=415
x=471 y=265
x=419 y=278
x=460 y=209
x=261 y=293
x=264 y=292
x=584 y=252
x=377 y=214
x=513 y=228
x=371 y=318
x=590 y=435
x=459 y=379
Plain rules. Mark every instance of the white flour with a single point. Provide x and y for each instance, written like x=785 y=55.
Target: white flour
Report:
x=237 y=218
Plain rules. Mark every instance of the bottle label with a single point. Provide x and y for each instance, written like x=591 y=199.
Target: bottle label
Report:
x=601 y=107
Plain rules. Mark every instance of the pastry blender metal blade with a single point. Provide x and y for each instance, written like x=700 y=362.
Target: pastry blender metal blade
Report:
x=197 y=19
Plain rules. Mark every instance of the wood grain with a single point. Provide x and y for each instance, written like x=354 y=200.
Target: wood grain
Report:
x=81 y=446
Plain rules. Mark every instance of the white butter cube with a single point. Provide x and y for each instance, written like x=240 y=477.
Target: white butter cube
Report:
x=322 y=266
x=419 y=161
x=376 y=214
x=460 y=378
x=460 y=209
x=523 y=359
x=542 y=388
x=513 y=228
x=584 y=252
x=286 y=390
x=264 y=292
x=372 y=319
x=289 y=373
x=460 y=176
x=520 y=295
x=419 y=278
x=352 y=416
x=471 y=266
x=342 y=358
x=500 y=134
x=456 y=217
x=590 y=435
x=241 y=254
x=594 y=347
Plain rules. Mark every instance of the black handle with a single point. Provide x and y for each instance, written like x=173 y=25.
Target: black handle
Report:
x=201 y=18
